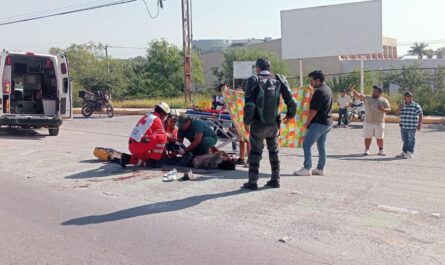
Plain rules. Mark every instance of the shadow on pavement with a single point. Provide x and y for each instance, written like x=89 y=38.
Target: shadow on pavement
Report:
x=91 y=161
x=22 y=134
x=361 y=157
x=105 y=170
x=149 y=209
x=345 y=156
x=371 y=159
x=355 y=126
x=232 y=174
x=434 y=128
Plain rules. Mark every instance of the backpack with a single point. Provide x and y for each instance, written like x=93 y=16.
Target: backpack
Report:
x=268 y=98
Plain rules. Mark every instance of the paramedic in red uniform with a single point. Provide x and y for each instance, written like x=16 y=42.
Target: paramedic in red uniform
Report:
x=148 y=139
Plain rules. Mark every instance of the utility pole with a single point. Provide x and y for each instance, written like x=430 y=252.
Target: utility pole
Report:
x=187 y=45
x=108 y=62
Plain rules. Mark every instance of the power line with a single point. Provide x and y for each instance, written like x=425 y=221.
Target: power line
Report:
x=88 y=8
x=159 y=3
x=59 y=9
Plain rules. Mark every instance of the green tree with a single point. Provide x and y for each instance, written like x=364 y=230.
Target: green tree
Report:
x=421 y=82
x=440 y=53
x=159 y=74
x=340 y=82
x=89 y=70
x=164 y=72
x=410 y=78
x=419 y=49
x=430 y=53
x=225 y=71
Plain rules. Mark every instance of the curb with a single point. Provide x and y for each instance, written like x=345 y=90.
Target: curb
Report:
x=396 y=119
x=389 y=118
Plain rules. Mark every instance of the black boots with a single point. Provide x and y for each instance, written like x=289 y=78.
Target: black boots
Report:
x=250 y=186
x=125 y=159
x=273 y=183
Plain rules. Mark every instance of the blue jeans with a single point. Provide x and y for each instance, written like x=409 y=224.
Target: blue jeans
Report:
x=342 y=114
x=317 y=133
x=409 y=139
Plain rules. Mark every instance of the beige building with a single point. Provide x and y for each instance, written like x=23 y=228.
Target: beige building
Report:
x=329 y=65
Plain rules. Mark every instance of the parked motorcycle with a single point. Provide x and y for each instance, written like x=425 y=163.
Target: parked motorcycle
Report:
x=356 y=112
x=96 y=102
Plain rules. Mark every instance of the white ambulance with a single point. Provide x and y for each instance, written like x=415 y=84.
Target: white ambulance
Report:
x=35 y=91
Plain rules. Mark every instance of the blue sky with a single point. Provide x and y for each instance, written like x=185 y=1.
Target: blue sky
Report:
x=129 y=25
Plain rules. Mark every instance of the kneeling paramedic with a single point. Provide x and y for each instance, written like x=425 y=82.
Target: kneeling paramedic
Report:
x=262 y=119
x=201 y=137
x=148 y=139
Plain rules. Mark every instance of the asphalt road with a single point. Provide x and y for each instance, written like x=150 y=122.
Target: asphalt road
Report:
x=60 y=206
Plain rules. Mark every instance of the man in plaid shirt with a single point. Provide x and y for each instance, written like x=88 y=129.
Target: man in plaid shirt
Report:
x=411 y=116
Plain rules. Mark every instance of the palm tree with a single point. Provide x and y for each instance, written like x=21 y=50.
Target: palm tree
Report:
x=419 y=49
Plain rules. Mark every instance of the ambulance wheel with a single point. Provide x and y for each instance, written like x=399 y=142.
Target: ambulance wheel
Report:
x=53 y=131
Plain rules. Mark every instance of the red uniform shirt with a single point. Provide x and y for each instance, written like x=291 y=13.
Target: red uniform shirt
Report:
x=150 y=126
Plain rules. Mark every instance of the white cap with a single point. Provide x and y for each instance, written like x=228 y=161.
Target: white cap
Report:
x=164 y=106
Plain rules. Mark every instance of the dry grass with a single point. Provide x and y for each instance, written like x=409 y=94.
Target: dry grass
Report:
x=175 y=103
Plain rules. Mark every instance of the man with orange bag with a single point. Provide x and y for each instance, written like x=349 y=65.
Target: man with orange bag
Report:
x=148 y=139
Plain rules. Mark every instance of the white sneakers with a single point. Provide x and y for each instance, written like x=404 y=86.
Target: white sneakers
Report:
x=303 y=172
x=405 y=155
x=306 y=172
x=380 y=153
x=318 y=172
x=170 y=176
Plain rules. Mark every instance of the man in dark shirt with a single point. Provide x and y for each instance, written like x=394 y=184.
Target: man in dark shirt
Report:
x=319 y=125
x=201 y=137
x=262 y=120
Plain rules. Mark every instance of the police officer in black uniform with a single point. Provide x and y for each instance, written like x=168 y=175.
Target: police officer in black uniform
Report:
x=262 y=119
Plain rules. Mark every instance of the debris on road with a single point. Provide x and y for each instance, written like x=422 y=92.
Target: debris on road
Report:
x=110 y=194
x=285 y=239
x=436 y=215
x=393 y=209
